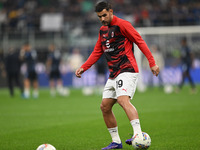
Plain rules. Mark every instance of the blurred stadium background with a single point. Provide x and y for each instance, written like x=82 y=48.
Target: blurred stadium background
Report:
x=72 y=24
x=171 y=120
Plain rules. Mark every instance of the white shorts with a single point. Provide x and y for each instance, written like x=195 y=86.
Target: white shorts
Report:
x=124 y=84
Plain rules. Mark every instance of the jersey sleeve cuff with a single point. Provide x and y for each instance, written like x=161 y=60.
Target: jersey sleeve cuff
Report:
x=152 y=64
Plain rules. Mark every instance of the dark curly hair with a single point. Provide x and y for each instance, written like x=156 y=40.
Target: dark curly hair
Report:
x=100 y=5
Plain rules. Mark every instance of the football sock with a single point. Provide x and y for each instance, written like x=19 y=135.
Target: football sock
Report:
x=114 y=134
x=60 y=89
x=27 y=93
x=136 y=126
x=52 y=92
x=35 y=93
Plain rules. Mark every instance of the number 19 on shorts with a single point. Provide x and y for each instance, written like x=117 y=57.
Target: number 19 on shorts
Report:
x=119 y=83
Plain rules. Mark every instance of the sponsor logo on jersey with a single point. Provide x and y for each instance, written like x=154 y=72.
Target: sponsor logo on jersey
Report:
x=109 y=50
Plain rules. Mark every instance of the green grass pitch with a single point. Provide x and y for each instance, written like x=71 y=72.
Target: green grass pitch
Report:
x=76 y=123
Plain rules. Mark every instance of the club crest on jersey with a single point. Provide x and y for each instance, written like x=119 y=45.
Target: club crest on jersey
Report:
x=112 y=34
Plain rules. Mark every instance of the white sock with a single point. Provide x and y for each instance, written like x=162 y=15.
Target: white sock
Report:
x=52 y=92
x=60 y=89
x=114 y=134
x=136 y=127
x=35 y=93
x=27 y=93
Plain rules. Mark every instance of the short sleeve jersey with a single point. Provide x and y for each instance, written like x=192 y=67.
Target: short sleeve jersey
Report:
x=116 y=42
x=55 y=57
x=186 y=56
x=30 y=60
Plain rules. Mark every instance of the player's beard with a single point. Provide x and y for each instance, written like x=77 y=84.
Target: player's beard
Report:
x=105 y=23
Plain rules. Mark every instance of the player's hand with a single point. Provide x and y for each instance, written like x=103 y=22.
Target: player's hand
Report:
x=155 y=70
x=79 y=72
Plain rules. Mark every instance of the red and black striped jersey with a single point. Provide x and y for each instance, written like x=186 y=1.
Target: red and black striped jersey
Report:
x=116 y=43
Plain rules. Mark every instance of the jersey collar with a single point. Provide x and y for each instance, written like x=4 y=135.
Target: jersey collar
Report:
x=113 y=20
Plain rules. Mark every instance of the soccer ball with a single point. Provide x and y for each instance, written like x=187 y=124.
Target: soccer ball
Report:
x=141 y=143
x=87 y=91
x=168 y=89
x=46 y=147
x=63 y=91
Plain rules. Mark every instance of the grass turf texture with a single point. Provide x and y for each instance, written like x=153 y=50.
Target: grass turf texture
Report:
x=76 y=123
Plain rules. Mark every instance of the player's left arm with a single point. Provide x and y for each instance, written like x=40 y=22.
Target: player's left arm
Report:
x=129 y=31
x=155 y=70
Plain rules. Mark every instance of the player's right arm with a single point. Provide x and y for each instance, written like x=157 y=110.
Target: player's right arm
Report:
x=95 y=55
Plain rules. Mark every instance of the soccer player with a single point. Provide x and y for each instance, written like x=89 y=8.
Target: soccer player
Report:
x=13 y=65
x=29 y=56
x=115 y=41
x=53 y=63
x=186 y=62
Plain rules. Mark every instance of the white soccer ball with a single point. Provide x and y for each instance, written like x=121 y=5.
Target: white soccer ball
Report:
x=65 y=92
x=46 y=147
x=168 y=89
x=87 y=91
x=141 y=142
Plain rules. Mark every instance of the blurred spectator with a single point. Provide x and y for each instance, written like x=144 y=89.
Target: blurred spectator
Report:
x=86 y=6
x=13 y=18
x=2 y=67
x=145 y=13
x=29 y=56
x=186 y=64
x=160 y=61
x=12 y=66
x=75 y=59
x=3 y=18
x=145 y=16
x=53 y=63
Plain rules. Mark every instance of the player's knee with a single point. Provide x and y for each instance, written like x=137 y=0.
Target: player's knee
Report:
x=104 y=108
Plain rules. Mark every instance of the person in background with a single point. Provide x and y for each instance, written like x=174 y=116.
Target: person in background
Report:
x=2 y=67
x=52 y=64
x=160 y=62
x=29 y=57
x=186 y=65
x=75 y=59
x=12 y=67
